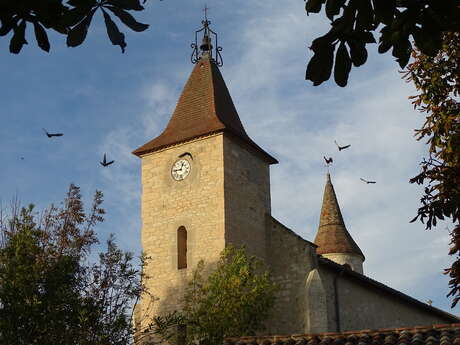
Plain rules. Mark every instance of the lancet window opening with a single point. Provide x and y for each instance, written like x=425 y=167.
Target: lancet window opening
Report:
x=181 y=248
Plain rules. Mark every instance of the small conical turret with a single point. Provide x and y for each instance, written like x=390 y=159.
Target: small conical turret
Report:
x=333 y=240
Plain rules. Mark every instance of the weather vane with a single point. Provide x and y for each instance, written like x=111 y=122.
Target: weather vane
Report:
x=329 y=161
x=206 y=47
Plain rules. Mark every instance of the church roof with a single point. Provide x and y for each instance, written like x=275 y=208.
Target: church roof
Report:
x=382 y=288
x=444 y=334
x=332 y=236
x=204 y=107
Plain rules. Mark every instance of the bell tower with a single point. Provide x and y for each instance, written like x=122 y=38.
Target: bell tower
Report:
x=205 y=183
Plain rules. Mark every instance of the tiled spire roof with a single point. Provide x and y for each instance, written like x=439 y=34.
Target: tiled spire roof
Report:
x=332 y=236
x=204 y=107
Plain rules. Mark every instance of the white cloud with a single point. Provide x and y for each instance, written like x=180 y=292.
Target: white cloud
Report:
x=122 y=180
x=160 y=98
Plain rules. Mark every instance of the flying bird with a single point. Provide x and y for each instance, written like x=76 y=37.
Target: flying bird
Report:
x=366 y=181
x=50 y=135
x=342 y=147
x=104 y=162
x=328 y=160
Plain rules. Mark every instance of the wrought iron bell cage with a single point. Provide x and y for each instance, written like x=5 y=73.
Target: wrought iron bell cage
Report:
x=206 y=46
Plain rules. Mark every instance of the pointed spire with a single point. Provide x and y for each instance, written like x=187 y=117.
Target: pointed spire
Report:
x=332 y=236
x=204 y=107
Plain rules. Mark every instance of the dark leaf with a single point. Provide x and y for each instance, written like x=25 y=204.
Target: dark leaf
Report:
x=7 y=25
x=82 y=3
x=128 y=19
x=74 y=16
x=438 y=213
x=402 y=50
x=61 y=28
x=333 y=8
x=18 y=39
x=78 y=33
x=384 y=10
x=116 y=37
x=384 y=46
x=319 y=43
x=313 y=6
x=342 y=65
x=358 y=52
x=127 y=4
x=365 y=16
x=41 y=37
x=365 y=36
x=349 y=16
x=429 y=42
x=414 y=219
x=320 y=66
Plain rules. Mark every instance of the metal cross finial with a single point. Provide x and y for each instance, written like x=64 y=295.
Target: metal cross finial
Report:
x=206 y=8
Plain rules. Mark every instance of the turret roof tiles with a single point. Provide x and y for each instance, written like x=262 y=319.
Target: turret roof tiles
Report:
x=332 y=236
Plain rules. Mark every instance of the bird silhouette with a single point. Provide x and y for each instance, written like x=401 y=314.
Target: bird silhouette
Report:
x=342 y=147
x=328 y=160
x=366 y=181
x=50 y=135
x=104 y=162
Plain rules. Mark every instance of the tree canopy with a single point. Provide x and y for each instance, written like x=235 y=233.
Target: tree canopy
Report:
x=232 y=298
x=51 y=292
x=354 y=22
x=71 y=18
x=437 y=79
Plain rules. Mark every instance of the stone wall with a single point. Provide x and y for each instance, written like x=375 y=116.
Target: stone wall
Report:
x=355 y=261
x=247 y=197
x=197 y=203
x=291 y=259
x=223 y=201
x=363 y=305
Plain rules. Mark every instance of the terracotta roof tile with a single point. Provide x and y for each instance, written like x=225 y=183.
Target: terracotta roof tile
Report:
x=421 y=335
x=332 y=236
x=204 y=107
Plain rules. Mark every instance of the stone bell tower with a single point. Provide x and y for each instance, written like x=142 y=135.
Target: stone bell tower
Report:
x=205 y=183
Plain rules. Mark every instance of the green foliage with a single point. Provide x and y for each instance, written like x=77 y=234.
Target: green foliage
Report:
x=50 y=292
x=233 y=300
x=168 y=329
x=71 y=18
x=438 y=81
x=353 y=23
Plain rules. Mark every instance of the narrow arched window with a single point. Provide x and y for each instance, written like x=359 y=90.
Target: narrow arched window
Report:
x=181 y=248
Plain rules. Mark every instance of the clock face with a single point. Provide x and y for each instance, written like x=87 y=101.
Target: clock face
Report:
x=180 y=169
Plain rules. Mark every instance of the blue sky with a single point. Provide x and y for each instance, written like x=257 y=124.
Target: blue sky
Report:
x=105 y=101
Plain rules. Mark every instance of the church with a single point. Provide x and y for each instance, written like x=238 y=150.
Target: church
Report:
x=206 y=184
